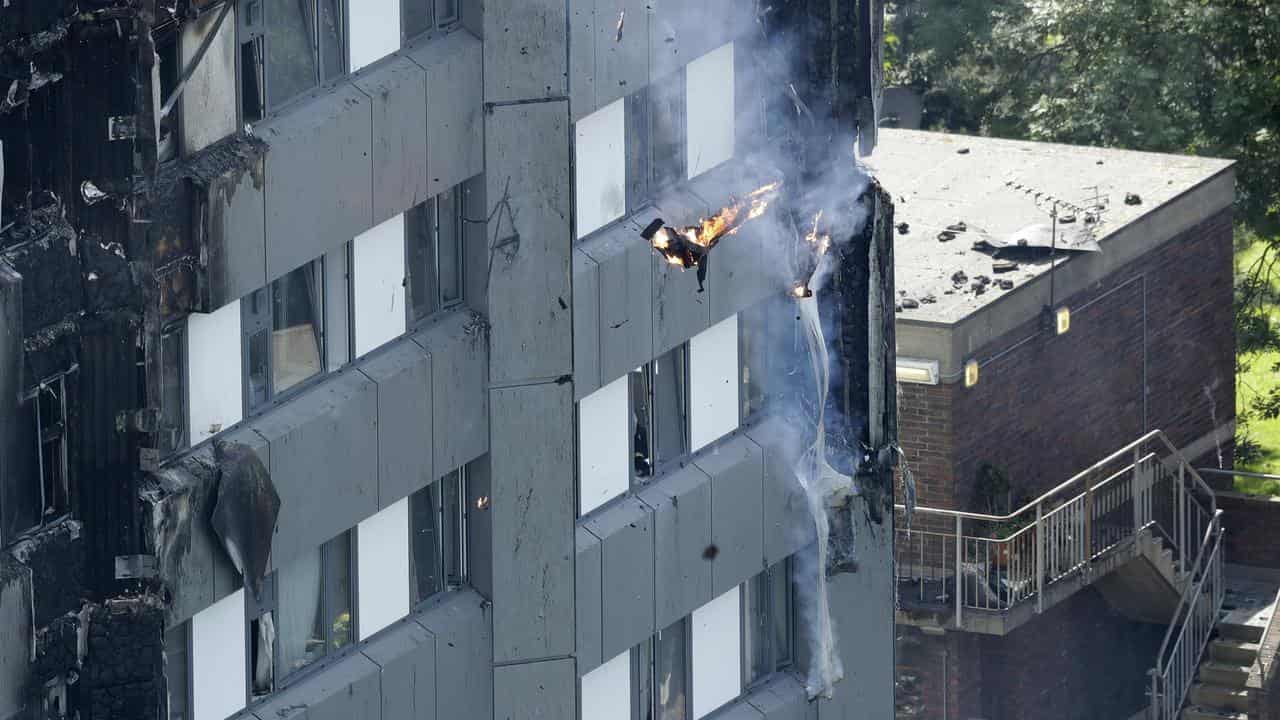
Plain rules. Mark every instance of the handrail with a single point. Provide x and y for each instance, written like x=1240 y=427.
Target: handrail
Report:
x=1239 y=473
x=1210 y=534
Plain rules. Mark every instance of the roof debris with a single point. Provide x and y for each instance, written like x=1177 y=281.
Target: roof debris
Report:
x=1132 y=199
x=1003 y=266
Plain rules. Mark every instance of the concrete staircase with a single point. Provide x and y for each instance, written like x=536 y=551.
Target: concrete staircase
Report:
x=1147 y=587
x=1228 y=678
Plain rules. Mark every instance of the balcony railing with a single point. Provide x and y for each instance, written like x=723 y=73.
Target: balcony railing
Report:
x=972 y=561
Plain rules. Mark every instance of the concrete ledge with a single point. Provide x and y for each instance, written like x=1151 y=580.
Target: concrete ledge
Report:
x=625 y=529
x=779 y=698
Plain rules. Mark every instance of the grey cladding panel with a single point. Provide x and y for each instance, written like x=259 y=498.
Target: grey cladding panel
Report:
x=406 y=654
x=455 y=103
x=622 y=62
x=533 y=522
x=349 y=688
x=739 y=710
x=680 y=311
x=587 y=580
x=403 y=376
x=582 y=58
x=736 y=468
x=681 y=503
x=586 y=325
x=463 y=630
x=397 y=90
x=237 y=235
x=535 y=691
x=625 y=529
x=324 y=450
x=626 y=313
x=787 y=523
x=317 y=200
x=460 y=405
x=684 y=30
x=783 y=699
x=525 y=49
x=528 y=187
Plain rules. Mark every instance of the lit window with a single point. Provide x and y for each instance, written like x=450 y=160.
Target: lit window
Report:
x=437 y=537
x=284 y=341
x=288 y=47
x=419 y=16
x=766 y=623
x=433 y=234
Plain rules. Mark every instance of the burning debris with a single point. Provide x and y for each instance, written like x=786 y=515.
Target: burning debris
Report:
x=688 y=247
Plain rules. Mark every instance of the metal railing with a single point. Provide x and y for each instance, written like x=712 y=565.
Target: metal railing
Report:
x=995 y=562
x=1192 y=625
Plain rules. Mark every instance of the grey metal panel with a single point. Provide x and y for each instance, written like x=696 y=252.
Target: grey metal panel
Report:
x=684 y=30
x=349 y=688
x=525 y=49
x=534 y=691
x=238 y=235
x=587 y=580
x=475 y=239
x=16 y=618
x=455 y=102
x=783 y=699
x=586 y=325
x=626 y=311
x=406 y=654
x=397 y=89
x=862 y=608
x=324 y=450
x=739 y=710
x=460 y=405
x=681 y=503
x=317 y=200
x=787 y=523
x=625 y=529
x=622 y=65
x=533 y=514
x=463 y=629
x=529 y=186
x=680 y=311
x=403 y=376
x=736 y=467
x=582 y=58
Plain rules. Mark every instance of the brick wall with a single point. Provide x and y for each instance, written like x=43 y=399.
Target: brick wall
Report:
x=930 y=666
x=924 y=425
x=1250 y=528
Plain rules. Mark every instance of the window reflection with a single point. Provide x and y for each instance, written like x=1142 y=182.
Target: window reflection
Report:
x=295 y=328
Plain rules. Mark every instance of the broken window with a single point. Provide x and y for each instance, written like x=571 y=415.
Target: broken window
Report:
x=638 y=382
x=173 y=406
x=437 y=537
x=49 y=405
x=660 y=667
x=419 y=16
x=167 y=51
x=288 y=47
x=314 y=611
x=177 y=644
x=766 y=623
x=283 y=330
x=433 y=236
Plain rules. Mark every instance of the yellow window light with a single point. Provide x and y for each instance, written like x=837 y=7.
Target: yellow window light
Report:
x=924 y=372
x=971 y=373
x=1063 y=320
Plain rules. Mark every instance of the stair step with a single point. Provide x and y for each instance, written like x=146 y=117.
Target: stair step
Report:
x=1219 y=698
x=1201 y=713
x=1225 y=674
x=1236 y=652
x=1240 y=631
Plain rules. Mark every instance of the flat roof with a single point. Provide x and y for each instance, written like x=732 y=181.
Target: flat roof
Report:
x=938 y=180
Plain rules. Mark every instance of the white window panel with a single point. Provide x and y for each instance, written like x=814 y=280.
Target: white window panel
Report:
x=215 y=372
x=713 y=386
x=382 y=568
x=207 y=114
x=375 y=31
x=604 y=459
x=218 y=659
x=601 y=162
x=377 y=277
x=709 y=103
x=606 y=691
x=717 y=653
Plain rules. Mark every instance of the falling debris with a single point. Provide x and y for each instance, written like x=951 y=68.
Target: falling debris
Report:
x=1041 y=237
x=622 y=18
x=90 y=193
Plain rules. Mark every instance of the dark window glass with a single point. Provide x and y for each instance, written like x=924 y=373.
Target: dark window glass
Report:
x=766 y=623
x=288 y=47
x=446 y=11
x=331 y=28
x=437 y=537
x=449 y=242
x=292 y=64
x=667 y=161
x=51 y=426
x=176 y=668
x=295 y=332
x=259 y=360
x=639 y=389
x=670 y=673
x=670 y=381
x=433 y=238
x=416 y=17
x=173 y=411
x=253 y=99
x=637 y=112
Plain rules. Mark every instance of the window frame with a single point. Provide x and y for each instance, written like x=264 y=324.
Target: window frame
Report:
x=56 y=480
x=441 y=550
x=187 y=677
x=644 y=672
x=430 y=210
x=256 y=34
x=436 y=21
x=179 y=436
x=645 y=375
x=254 y=321
x=760 y=622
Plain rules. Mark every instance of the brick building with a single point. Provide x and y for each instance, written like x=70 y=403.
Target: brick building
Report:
x=1146 y=344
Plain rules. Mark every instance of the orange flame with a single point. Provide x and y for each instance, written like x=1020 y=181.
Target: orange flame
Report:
x=709 y=231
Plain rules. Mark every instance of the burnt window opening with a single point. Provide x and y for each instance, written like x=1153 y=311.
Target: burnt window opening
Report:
x=438 y=538
x=46 y=409
x=177 y=670
x=767 y=624
x=433 y=255
x=283 y=331
x=167 y=50
x=661 y=674
x=306 y=612
x=420 y=16
x=172 y=433
x=638 y=388
x=288 y=47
